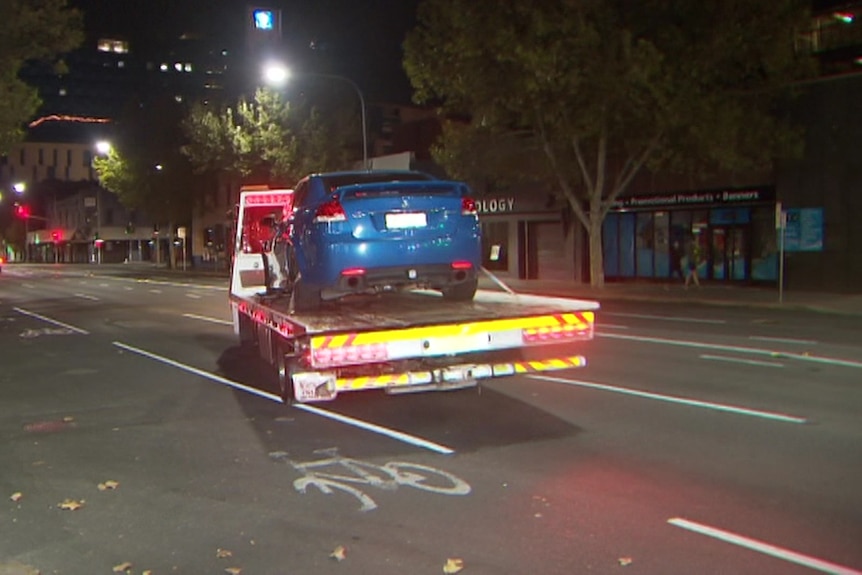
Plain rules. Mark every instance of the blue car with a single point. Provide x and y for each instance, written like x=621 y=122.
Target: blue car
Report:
x=378 y=231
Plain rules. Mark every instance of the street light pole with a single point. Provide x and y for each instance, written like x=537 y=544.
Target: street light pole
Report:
x=276 y=74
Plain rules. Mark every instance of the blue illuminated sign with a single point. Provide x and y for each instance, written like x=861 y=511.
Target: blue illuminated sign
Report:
x=263 y=19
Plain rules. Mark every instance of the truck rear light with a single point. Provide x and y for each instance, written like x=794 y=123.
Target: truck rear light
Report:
x=330 y=211
x=462 y=265
x=468 y=206
x=568 y=332
x=348 y=354
x=353 y=272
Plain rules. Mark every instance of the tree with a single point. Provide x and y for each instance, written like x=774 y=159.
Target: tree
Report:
x=607 y=88
x=267 y=139
x=29 y=30
x=146 y=168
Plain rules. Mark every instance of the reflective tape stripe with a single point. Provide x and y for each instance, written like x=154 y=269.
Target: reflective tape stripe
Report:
x=426 y=377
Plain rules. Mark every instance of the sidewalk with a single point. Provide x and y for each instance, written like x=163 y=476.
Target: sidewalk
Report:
x=712 y=294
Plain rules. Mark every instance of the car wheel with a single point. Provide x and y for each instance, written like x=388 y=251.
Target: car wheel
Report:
x=304 y=297
x=463 y=291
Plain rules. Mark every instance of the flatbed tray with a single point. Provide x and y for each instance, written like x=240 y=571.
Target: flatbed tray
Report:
x=420 y=308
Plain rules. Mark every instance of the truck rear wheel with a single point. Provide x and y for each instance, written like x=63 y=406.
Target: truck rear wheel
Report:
x=247 y=332
x=286 y=366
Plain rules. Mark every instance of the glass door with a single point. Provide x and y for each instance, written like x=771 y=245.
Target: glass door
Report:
x=729 y=253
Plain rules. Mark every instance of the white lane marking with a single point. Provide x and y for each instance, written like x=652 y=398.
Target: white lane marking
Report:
x=394 y=434
x=86 y=296
x=128 y=288
x=676 y=399
x=209 y=319
x=155 y=291
x=52 y=321
x=740 y=360
x=737 y=349
x=667 y=318
x=783 y=340
x=200 y=372
x=400 y=436
x=614 y=326
x=766 y=548
x=193 y=295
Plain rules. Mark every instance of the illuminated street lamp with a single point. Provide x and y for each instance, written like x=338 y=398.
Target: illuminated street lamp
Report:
x=19 y=187
x=103 y=148
x=277 y=75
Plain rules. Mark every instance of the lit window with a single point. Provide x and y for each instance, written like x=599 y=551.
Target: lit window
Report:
x=178 y=99
x=187 y=67
x=121 y=64
x=178 y=67
x=163 y=67
x=263 y=20
x=112 y=45
x=63 y=91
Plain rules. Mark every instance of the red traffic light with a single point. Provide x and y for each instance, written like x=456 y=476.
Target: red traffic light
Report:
x=56 y=235
x=22 y=211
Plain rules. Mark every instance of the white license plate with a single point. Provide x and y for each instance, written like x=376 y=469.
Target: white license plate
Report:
x=406 y=220
x=313 y=387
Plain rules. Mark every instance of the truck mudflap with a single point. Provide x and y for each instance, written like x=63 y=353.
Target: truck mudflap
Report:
x=325 y=386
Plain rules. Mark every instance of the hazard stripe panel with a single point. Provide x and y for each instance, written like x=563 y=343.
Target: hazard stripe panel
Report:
x=463 y=372
x=578 y=320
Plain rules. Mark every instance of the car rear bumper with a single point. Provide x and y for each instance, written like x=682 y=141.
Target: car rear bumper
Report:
x=395 y=277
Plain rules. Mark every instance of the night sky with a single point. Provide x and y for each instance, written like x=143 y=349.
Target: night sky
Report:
x=360 y=39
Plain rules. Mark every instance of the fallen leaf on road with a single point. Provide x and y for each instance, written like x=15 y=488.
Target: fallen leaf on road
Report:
x=16 y=496
x=15 y=568
x=453 y=565
x=339 y=553
x=234 y=570
x=222 y=553
x=122 y=567
x=108 y=485
x=71 y=504
x=625 y=561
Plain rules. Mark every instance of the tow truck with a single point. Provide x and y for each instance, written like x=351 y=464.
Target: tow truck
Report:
x=408 y=341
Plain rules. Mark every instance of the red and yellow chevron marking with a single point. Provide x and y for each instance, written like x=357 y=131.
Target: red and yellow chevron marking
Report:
x=578 y=320
x=426 y=377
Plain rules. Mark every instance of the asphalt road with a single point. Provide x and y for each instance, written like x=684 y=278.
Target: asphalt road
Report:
x=136 y=436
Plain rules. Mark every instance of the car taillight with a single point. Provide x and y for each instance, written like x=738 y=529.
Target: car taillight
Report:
x=353 y=272
x=468 y=206
x=330 y=211
x=462 y=265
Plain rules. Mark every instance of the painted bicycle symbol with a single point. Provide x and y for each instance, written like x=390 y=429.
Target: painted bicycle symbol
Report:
x=334 y=472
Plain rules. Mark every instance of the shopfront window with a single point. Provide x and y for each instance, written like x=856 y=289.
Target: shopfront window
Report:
x=645 y=244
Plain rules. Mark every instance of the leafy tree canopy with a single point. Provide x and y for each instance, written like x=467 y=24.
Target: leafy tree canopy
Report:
x=267 y=139
x=605 y=88
x=29 y=30
x=145 y=168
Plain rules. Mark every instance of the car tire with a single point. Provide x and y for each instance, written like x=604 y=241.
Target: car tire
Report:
x=462 y=291
x=304 y=298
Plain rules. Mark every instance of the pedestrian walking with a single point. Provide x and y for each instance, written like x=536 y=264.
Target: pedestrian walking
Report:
x=676 y=261
x=692 y=256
